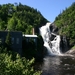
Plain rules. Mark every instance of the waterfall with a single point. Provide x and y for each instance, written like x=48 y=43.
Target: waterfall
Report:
x=53 y=46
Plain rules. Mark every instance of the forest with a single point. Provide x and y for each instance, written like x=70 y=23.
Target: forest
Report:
x=19 y=17
x=65 y=22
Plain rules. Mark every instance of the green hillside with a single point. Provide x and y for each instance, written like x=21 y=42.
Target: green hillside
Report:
x=19 y=17
x=65 y=22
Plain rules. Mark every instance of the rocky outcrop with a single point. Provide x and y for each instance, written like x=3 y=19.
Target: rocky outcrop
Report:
x=72 y=52
x=64 y=45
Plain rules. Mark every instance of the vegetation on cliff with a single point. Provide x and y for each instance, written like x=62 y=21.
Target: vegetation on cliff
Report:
x=65 y=22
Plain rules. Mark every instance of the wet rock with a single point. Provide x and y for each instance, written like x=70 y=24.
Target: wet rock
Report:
x=66 y=64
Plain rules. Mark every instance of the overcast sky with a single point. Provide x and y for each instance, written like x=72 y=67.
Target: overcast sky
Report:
x=48 y=8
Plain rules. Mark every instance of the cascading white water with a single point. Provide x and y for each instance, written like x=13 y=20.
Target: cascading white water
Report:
x=53 y=46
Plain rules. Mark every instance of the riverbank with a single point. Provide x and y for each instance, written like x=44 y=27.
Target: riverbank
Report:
x=71 y=51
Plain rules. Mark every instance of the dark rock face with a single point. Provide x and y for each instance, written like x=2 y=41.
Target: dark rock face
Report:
x=53 y=28
x=64 y=44
x=52 y=37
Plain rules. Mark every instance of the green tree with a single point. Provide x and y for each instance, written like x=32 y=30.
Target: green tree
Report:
x=12 y=23
x=2 y=25
x=19 y=66
x=8 y=41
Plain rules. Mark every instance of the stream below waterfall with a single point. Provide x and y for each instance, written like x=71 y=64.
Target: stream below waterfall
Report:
x=57 y=65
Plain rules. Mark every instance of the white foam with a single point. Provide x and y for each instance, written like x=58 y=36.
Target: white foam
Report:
x=53 y=46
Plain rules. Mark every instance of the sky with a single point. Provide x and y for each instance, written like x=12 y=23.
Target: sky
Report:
x=48 y=8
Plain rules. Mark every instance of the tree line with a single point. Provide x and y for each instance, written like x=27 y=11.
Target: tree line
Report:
x=19 y=17
x=65 y=22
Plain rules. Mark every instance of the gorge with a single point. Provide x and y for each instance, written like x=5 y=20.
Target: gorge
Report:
x=57 y=62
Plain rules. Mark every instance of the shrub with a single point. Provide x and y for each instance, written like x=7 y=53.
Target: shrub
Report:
x=19 y=66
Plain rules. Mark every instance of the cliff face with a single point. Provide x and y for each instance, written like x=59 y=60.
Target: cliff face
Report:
x=64 y=44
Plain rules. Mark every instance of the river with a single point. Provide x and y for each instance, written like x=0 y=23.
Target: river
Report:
x=58 y=65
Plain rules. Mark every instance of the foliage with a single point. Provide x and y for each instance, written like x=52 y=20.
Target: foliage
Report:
x=65 y=21
x=32 y=48
x=40 y=48
x=40 y=44
x=12 y=24
x=19 y=17
x=73 y=48
x=29 y=48
x=8 y=41
x=19 y=66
